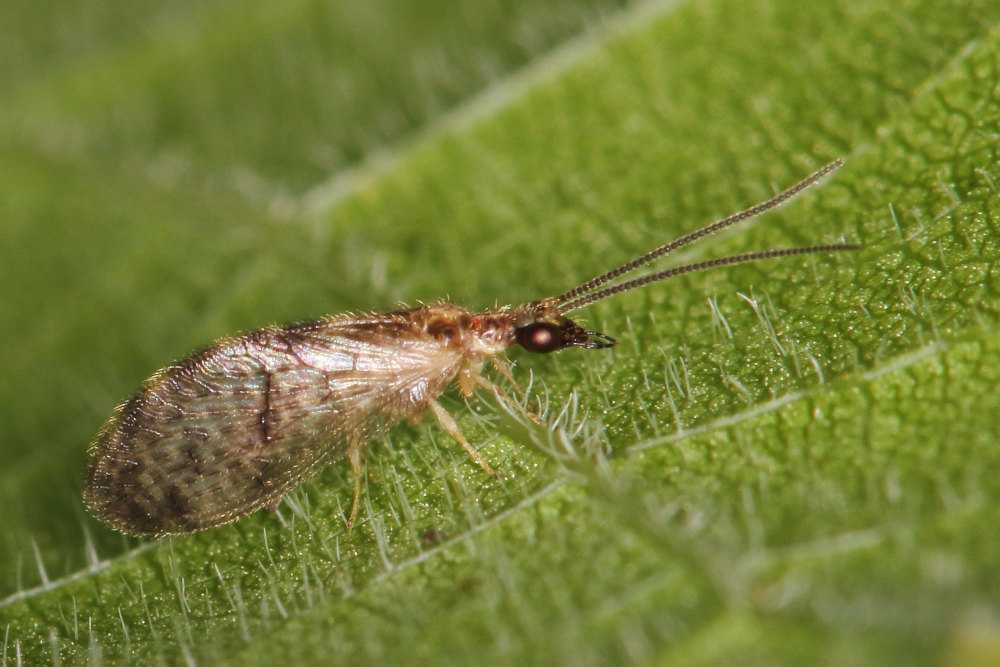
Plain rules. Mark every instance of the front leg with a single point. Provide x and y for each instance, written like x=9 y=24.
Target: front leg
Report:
x=471 y=376
x=502 y=397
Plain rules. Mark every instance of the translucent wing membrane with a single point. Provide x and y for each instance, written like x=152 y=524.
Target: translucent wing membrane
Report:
x=232 y=430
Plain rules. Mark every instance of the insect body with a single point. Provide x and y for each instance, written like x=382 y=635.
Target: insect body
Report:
x=234 y=428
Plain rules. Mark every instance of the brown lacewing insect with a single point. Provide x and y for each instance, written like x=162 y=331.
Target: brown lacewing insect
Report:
x=232 y=429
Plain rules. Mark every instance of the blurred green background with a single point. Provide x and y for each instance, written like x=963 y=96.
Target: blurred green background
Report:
x=787 y=463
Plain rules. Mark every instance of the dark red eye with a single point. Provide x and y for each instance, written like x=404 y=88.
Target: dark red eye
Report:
x=540 y=337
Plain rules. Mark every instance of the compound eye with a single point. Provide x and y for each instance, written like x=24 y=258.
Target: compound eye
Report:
x=540 y=337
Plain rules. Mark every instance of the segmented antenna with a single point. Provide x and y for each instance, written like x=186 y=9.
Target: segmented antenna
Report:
x=588 y=299
x=584 y=294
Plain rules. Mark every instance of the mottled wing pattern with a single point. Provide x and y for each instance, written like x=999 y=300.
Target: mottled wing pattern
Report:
x=234 y=428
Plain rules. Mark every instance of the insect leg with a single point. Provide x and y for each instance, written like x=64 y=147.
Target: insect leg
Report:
x=503 y=368
x=356 y=453
x=502 y=396
x=449 y=425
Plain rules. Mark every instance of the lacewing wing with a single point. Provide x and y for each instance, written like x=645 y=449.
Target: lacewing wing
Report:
x=233 y=428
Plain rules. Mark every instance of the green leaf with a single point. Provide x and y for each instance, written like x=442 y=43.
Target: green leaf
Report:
x=787 y=462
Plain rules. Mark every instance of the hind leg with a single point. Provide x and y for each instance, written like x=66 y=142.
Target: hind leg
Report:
x=356 y=451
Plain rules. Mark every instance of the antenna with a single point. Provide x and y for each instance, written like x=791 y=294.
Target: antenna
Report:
x=584 y=294
x=588 y=299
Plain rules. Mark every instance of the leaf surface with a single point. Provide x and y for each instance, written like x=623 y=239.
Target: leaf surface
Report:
x=781 y=463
